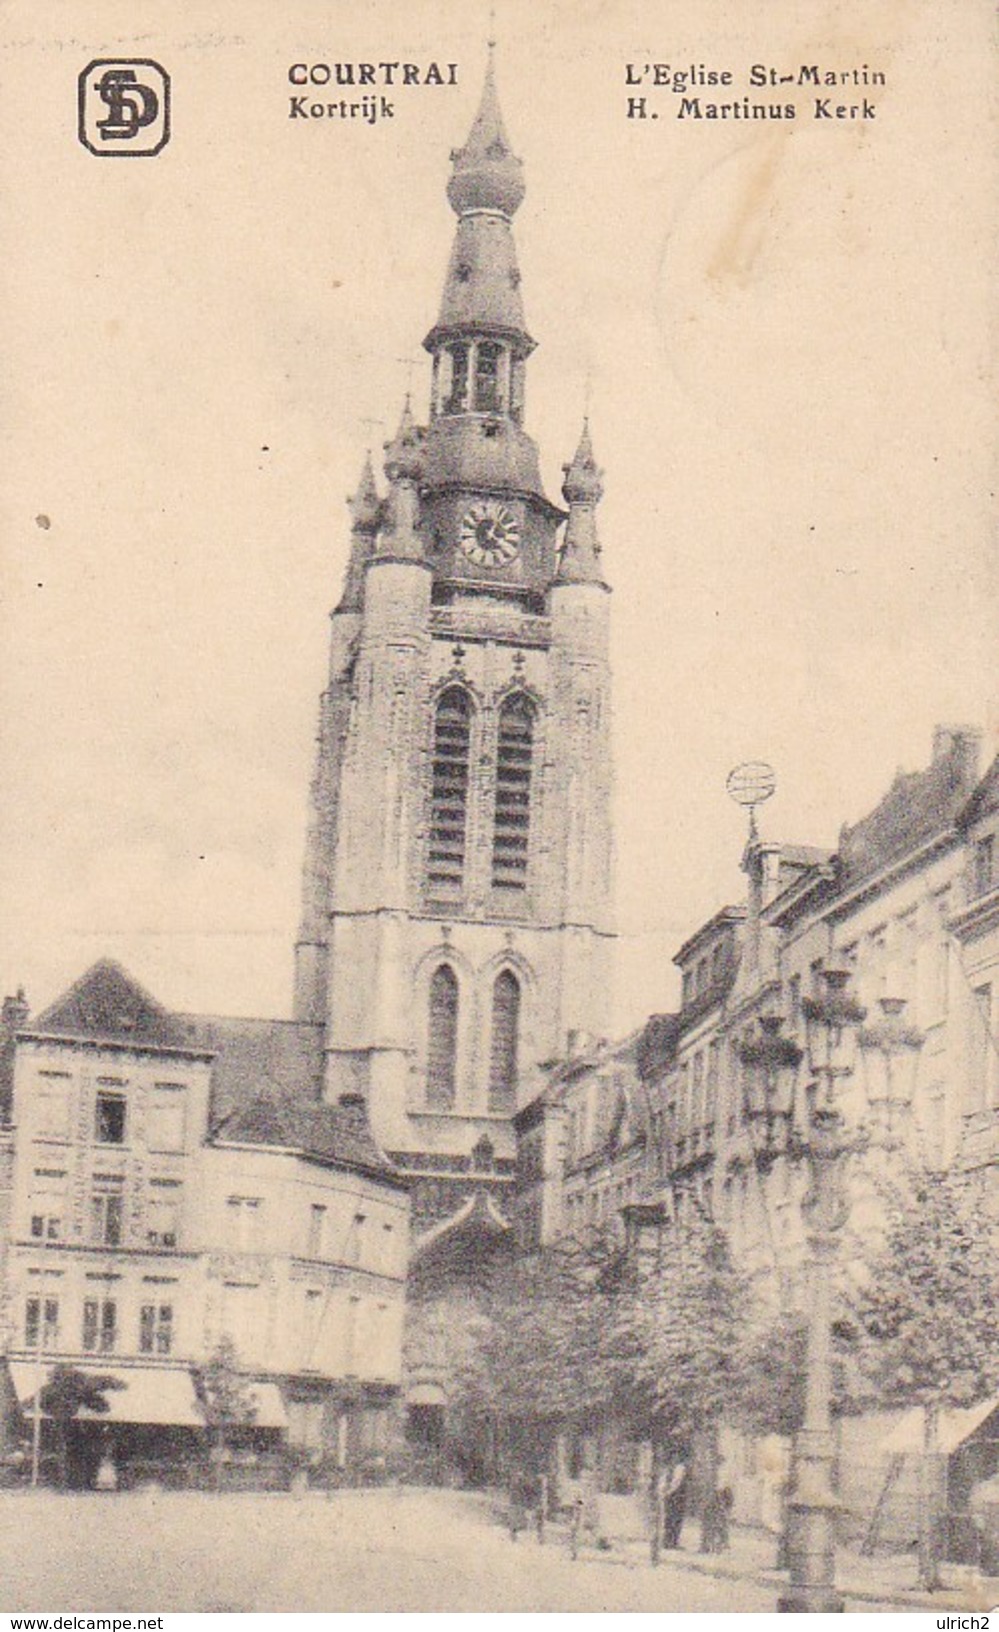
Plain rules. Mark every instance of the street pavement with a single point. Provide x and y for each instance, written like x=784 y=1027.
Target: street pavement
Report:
x=388 y=1549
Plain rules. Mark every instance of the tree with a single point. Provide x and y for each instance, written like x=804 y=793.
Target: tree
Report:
x=68 y=1392
x=226 y=1398
x=666 y=1350
x=925 y=1327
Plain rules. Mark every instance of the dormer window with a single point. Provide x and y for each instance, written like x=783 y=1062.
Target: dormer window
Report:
x=463 y=272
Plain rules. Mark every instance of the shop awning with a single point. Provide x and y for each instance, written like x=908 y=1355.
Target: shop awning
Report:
x=426 y=1394
x=268 y=1406
x=161 y=1396
x=905 y=1437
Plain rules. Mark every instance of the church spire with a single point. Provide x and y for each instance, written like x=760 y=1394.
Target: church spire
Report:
x=482 y=287
x=365 y=517
x=486 y=174
x=579 y=562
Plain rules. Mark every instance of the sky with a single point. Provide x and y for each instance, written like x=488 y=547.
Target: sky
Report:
x=783 y=332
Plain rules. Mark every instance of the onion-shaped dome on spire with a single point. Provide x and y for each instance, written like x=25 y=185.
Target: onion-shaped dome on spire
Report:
x=404 y=454
x=486 y=175
x=579 y=561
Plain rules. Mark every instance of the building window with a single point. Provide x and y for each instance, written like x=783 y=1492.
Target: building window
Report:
x=503 y=1046
x=167 y=1118
x=109 y=1118
x=686 y=989
x=100 y=1325
x=487 y=377
x=511 y=831
x=243 y=1222
x=52 y=1105
x=317 y=1231
x=449 y=792
x=107 y=1214
x=48 y=1204
x=156 y=1328
x=442 y=1039
x=310 y=1327
x=983 y=870
x=163 y=1215
x=39 y=1334
x=982 y=1051
x=455 y=387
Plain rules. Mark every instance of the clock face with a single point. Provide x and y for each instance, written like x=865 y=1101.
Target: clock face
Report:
x=489 y=534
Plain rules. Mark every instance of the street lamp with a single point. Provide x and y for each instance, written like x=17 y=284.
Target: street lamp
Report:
x=833 y=1022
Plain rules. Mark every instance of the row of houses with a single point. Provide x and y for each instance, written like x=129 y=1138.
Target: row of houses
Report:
x=660 y=1123
x=168 y=1181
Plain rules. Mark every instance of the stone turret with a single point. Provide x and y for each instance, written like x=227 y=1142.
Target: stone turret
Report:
x=404 y=469
x=365 y=518
x=579 y=560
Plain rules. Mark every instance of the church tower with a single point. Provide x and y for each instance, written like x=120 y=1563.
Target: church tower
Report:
x=457 y=882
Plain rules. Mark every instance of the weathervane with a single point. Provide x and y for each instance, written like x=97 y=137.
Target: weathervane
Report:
x=751 y=784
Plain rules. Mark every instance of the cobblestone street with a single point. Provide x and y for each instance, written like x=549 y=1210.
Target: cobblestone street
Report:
x=391 y=1549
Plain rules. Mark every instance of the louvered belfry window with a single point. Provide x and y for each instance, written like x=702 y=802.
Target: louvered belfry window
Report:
x=511 y=832
x=442 y=1038
x=503 y=1044
x=449 y=793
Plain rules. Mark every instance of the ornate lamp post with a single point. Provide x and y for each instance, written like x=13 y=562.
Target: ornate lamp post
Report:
x=833 y=1022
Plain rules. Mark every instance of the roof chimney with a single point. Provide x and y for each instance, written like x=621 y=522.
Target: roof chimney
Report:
x=962 y=744
x=15 y=1012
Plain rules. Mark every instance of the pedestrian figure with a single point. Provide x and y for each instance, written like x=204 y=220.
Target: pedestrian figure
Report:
x=715 y=1520
x=519 y=1502
x=576 y=1524
x=674 y=1505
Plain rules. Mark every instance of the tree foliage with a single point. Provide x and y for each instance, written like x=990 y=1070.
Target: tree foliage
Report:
x=226 y=1395
x=581 y=1328
x=70 y=1391
x=666 y=1343
x=925 y=1328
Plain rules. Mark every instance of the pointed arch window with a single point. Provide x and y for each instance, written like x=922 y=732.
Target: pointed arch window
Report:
x=504 y=1042
x=442 y=1039
x=512 y=823
x=449 y=793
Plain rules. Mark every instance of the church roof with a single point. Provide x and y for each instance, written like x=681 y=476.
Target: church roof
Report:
x=255 y=1058
x=338 y=1134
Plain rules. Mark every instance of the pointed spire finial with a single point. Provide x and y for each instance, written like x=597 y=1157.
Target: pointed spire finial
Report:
x=365 y=504
x=404 y=454
x=579 y=562
x=486 y=175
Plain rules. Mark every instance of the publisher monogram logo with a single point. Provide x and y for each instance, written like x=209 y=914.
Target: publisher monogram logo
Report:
x=124 y=107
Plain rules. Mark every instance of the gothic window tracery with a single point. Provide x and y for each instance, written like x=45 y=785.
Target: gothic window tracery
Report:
x=442 y=1038
x=449 y=792
x=504 y=1042
x=511 y=826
